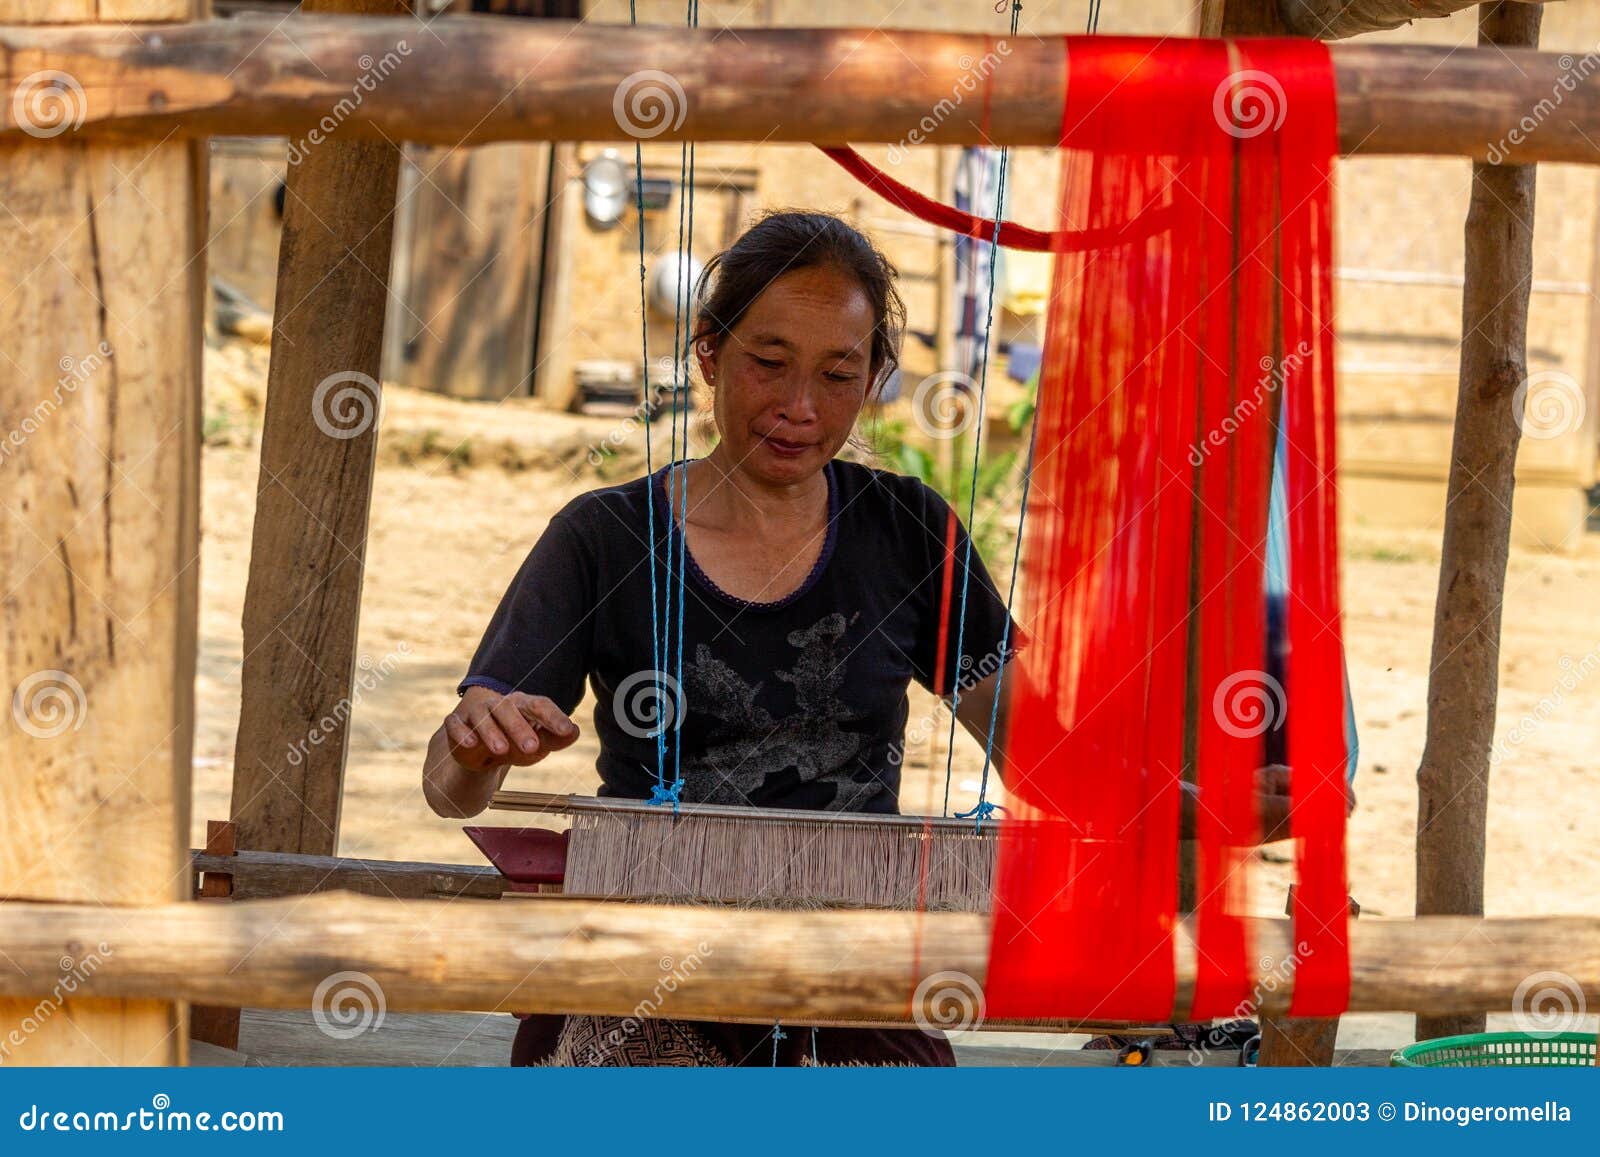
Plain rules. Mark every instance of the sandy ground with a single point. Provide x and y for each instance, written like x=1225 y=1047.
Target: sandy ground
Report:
x=451 y=523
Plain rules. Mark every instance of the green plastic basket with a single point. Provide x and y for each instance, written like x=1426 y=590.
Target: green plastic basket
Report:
x=1499 y=1049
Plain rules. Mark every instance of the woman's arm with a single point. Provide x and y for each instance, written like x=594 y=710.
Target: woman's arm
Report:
x=483 y=738
x=975 y=708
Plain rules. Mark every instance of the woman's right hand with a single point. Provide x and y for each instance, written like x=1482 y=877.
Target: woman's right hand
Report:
x=488 y=730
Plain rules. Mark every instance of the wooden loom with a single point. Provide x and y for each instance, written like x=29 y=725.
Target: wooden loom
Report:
x=155 y=80
x=755 y=857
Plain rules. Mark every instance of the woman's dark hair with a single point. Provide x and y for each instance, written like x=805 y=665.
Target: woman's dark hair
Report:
x=784 y=241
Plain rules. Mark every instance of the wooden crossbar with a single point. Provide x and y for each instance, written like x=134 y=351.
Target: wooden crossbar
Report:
x=480 y=79
x=558 y=955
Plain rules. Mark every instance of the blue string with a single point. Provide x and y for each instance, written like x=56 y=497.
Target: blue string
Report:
x=662 y=793
x=649 y=465
x=816 y=1064
x=984 y=809
x=777 y=1035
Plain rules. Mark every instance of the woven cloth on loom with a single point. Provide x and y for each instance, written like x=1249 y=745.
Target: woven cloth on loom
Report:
x=1170 y=359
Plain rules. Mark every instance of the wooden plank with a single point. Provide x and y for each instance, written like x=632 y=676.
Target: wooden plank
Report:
x=1464 y=668
x=208 y=1023
x=468 y=82
x=475 y=248
x=319 y=441
x=563 y=216
x=556 y=955
x=563 y=803
x=265 y=875
x=100 y=391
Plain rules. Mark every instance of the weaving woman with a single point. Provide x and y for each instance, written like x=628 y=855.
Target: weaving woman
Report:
x=812 y=599
x=811 y=602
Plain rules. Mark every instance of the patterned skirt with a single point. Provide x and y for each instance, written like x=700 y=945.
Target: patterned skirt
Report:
x=609 y=1041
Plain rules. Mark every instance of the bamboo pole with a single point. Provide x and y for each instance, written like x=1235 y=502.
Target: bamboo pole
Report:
x=555 y=955
x=1464 y=669
x=473 y=80
x=1336 y=19
x=102 y=276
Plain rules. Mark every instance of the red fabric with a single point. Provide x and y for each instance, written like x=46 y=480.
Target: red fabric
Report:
x=1146 y=539
x=1011 y=235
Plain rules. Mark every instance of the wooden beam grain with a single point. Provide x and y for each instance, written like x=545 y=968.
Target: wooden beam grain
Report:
x=469 y=80
x=102 y=278
x=1464 y=667
x=319 y=440
x=556 y=955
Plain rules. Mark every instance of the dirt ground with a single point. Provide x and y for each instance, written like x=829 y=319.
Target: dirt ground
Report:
x=463 y=490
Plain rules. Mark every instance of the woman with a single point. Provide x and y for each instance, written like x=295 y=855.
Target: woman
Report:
x=812 y=600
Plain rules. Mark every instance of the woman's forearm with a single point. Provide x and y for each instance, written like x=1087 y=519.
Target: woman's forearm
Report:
x=976 y=711
x=451 y=790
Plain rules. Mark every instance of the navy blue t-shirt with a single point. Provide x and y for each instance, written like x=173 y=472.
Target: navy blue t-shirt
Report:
x=797 y=703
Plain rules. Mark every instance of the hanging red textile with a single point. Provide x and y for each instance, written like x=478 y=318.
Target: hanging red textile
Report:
x=1007 y=234
x=1168 y=358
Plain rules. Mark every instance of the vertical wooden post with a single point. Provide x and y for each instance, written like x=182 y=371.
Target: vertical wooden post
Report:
x=318 y=444
x=1463 y=684
x=103 y=279
x=210 y=1023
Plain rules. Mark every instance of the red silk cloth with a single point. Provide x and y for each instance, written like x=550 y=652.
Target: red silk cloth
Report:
x=1170 y=358
x=1007 y=234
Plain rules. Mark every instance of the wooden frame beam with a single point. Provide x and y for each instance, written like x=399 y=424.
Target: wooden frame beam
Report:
x=555 y=955
x=319 y=446
x=479 y=79
x=103 y=280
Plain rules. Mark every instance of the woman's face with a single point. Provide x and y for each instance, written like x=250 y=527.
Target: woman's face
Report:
x=789 y=380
